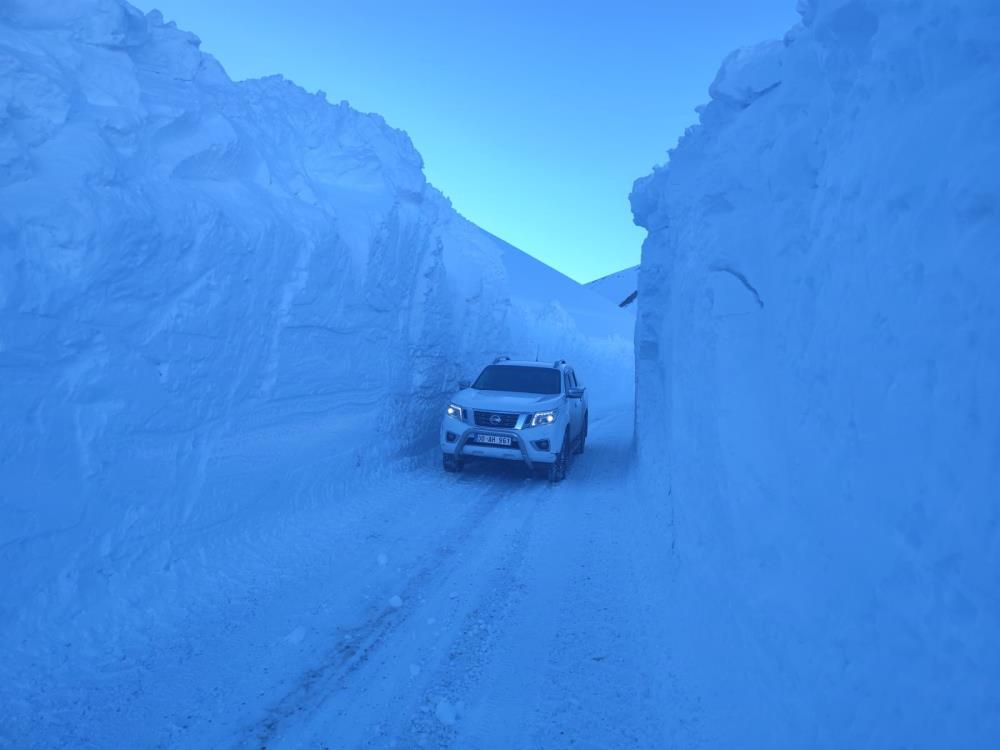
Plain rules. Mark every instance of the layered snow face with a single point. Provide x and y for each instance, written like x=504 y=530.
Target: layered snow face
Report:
x=215 y=298
x=818 y=360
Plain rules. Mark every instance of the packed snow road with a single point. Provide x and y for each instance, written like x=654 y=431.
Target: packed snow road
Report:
x=488 y=609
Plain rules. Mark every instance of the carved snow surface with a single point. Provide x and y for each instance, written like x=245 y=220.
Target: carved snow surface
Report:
x=818 y=362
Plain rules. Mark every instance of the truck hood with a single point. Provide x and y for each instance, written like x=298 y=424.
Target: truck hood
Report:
x=506 y=401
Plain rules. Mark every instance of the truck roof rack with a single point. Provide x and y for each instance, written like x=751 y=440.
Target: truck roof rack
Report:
x=559 y=362
x=501 y=358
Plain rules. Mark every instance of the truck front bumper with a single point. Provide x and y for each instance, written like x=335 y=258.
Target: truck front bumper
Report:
x=532 y=446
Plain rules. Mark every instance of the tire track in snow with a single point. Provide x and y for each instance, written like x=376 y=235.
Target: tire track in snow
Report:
x=436 y=710
x=561 y=665
x=344 y=694
x=355 y=646
x=431 y=716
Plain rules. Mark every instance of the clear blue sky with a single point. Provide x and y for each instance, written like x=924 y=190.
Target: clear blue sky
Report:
x=534 y=117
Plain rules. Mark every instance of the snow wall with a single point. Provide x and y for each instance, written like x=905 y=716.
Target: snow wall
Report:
x=217 y=301
x=818 y=363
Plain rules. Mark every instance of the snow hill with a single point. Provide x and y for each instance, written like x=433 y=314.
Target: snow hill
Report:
x=217 y=297
x=619 y=287
x=818 y=365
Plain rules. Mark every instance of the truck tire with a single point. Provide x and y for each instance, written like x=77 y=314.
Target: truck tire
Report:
x=452 y=464
x=582 y=442
x=557 y=469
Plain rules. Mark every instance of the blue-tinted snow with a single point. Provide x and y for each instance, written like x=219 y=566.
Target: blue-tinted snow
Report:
x=818 y=356
x=230 y=314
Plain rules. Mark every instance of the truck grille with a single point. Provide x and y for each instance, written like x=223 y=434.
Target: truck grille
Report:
x=484 y=419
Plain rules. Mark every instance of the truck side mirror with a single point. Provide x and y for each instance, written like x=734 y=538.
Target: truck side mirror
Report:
x=463 y=384
x=575 y=392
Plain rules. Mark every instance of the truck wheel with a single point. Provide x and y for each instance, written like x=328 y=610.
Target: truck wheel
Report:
x=452 y=464
x=583 y=436
x=557 y=469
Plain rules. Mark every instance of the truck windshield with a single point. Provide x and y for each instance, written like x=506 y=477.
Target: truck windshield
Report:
x=544 y=380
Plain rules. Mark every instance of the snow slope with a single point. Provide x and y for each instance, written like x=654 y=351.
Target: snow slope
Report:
x=219 y=302
x=619 y=287
x=818 y=360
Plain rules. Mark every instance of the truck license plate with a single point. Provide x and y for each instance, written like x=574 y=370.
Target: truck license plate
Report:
x=493 y=439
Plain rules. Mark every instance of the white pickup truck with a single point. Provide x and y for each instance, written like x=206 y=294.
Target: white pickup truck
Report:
x=517 y=411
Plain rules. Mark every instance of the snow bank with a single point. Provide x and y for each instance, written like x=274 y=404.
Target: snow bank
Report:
x=818 y=360
x=216 y=300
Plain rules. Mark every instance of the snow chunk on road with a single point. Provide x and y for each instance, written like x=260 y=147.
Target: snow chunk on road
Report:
x=295 y=637
x=446 y=712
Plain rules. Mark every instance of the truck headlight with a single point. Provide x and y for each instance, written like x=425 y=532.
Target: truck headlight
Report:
x=456 y=411
x=543 y=417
